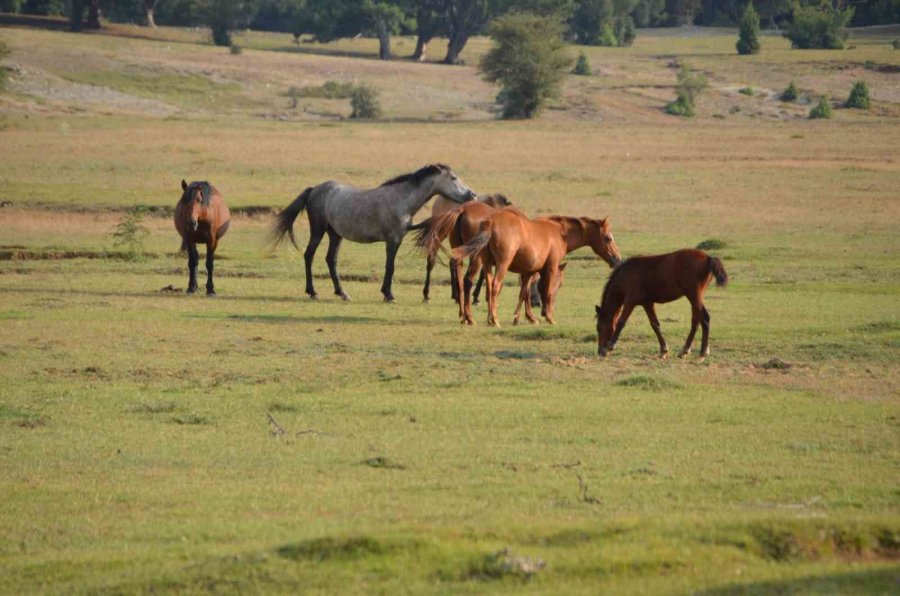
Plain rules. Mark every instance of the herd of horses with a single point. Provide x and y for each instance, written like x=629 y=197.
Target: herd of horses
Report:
x=495 y=236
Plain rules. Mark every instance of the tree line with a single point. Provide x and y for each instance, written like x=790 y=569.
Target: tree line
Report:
x=589 y=22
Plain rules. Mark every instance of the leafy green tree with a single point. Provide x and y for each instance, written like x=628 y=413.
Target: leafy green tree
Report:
x=791 y=93
x=528 y=60
x=463 y=18
x=748 y=35
x=859 y=96
x=649 y=13
x=429 y=24
x=4 y=52
x=603 y=22
x=582 y=66
x=821 y=109
x=689 y=86
x=329 y=20
x=224 y=16
x=819 y=26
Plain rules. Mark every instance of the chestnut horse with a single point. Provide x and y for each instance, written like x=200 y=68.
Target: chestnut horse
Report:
x=201 y=215
x=511 y=242
x=442 y=205
x=646 y=281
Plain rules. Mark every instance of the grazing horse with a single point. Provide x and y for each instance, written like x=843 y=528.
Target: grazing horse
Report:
x=646 y=281
x=201 y=215
x=382 y=214
x=442 y=205
x=511 y=242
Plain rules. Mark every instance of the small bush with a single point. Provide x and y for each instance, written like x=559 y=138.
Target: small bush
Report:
x=221 y=35
x=625 y=31
x=791 y=93
x=896 y=44
x=608 y=36
x=822 y=109
x=859 y=96
x=818 y=27
x=235 y=49
x=689 y=87
x=582 y=66
x=364 y=102
x=711 y=244
x=747 y=91
x=130 y=233
x=748 y=36
x=327 y=90
x=4 y=52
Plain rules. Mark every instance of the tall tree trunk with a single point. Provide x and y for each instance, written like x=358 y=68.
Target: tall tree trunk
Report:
x=458 y=41
x=150 y=8
x=384 y=41
x=421 y=48
x=77 y=15
x=93 y=19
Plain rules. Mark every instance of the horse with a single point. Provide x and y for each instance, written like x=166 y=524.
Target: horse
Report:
x=381 y=214
x=201 y=215
x=442 y=205
x=658 y=279
x=511 y=242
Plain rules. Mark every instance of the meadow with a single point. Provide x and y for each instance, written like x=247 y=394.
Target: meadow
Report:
x=261 y=442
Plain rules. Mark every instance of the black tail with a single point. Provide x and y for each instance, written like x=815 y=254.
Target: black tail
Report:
x=718 y=270
x=284 y=221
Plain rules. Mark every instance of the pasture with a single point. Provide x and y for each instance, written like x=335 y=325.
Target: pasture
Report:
x=261 y=442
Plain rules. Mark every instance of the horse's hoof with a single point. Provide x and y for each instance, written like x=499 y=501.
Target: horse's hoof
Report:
x=389 y=299
x=313 y=296
x=344 y=297
x=515 y=321
x=663 y=355
x=191 y=290
x=210 y=293
x=426 y=300
x=683 y=353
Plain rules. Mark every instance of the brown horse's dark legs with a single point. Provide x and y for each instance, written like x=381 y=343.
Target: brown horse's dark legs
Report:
x=465 y=306
x=392 y=248
x=623 y=318
x=193 y=260
x=695 y=322
x=210 y=259
x=535 y=298
x=334 y=245
x=654 y=323
x=478 y=285
x=704 y=325
x=426 y=290
x=310 y=253
x=454 y=281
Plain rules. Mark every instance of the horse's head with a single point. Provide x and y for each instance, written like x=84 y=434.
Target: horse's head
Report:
x=604 y=330
x=447 y=184
x=196 y=196
x=496 y=200
x=602 y=241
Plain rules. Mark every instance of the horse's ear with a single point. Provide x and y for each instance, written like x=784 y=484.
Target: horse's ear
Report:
x=604 y=223
x=599 y=311
x=183 y=184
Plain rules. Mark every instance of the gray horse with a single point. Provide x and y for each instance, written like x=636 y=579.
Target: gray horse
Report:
x=382 y=214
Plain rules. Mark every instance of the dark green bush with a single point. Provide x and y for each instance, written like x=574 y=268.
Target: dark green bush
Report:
x=4 y=52
x=791 y=93
x=235 y=49
x=625 y=31
x=689 y=87
x=859 y=96
x=747 y=91
x=582 y=66
x=364 y=102
x=896 y=44
x=818 y=27
x=748 y=36
x=821 y=109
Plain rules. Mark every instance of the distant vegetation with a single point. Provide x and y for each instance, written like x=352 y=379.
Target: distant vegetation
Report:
x=4 y=52
x=859 y=96
x=364 y=102
x=748 y=36
x=791 y=93
x=821 y=109
x=582 y=66
x=819 y=27
x=689 y=86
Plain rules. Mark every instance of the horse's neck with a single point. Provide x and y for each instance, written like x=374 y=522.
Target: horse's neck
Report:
x=415 y=196
x=574 y=236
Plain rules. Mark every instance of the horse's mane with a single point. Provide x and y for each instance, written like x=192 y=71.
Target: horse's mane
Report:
x=419 y=175
x=609 y=280
x=205 y=191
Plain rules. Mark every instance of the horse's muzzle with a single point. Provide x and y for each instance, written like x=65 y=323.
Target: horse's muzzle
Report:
x=471 y=196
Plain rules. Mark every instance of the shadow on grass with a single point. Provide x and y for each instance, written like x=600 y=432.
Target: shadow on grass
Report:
x=285 y=318
x=876 y=581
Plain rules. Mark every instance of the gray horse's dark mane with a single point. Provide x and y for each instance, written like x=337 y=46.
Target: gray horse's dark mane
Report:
x=419 y=175
x=205 y=192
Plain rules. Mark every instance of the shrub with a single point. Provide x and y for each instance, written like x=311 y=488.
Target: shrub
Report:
x=625 y=31
x=689 y=87
x=748 y=36
x=528 y=60
x=818 y=27
x=130 y=233
x=747 y=91
x=608 y=36
x=235 y=49
x=822 y=109
x=327 y=90
x=582 y=66
x=364 y=102
x=896 y=44
x=859 y=96
x=791 y=93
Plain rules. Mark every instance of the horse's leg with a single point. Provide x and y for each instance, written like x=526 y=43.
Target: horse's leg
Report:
x=193 y=260
x=695 y=321
x=315 y=237
x=654 y=322
x=495 y=286
x=429 y=265
x=523 y=296
x=454 y=281
x=465 y=305
x=391 y=252
x=528 y=298
x=489 y=293
x=535 y=298
x=704 y=325
x=334 y=245
x=478 y=288
x=210 y=259
x=623 y=318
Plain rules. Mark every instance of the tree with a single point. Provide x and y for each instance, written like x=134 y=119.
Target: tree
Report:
x=429 y=24
x=528 y=60
x=688 y=88
x=649 y=13
x=149 y=10
x=603 y=22
x=77 y=20
x=681 y=12
x=224 y=16
x=748 y=36
x=328 y=20
x=462 y=19
x=819 y=26
x=859 y=96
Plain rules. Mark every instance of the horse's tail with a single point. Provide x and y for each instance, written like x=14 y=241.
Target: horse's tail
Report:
x=284 y=221
x=718 y=270
x=476 y=244
x=431 y=233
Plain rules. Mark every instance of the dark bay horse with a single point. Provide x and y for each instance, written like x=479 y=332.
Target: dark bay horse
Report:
x=646 y=281
x=201 y=215
x=442 y=205
x=381 y=214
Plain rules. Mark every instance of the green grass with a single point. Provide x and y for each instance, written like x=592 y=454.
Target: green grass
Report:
x=152 y=441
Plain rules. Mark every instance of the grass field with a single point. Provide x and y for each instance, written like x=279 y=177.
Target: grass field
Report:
x=260 y=442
